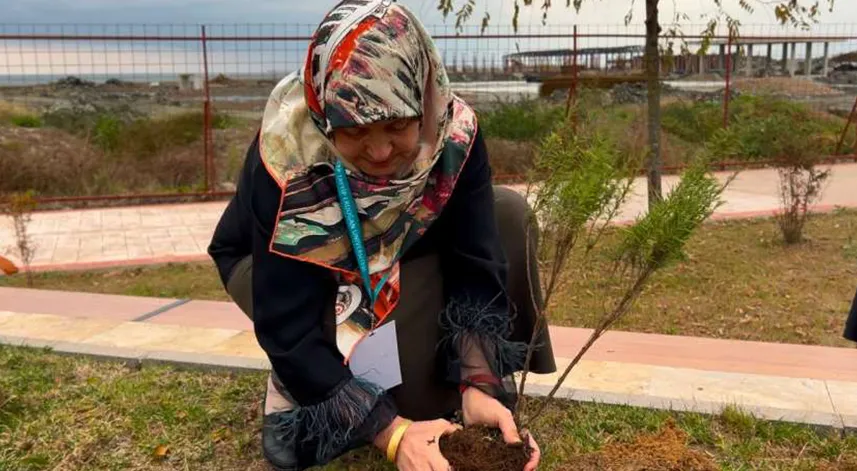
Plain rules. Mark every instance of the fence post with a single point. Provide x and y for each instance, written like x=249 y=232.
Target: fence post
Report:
x=572 y=92
x=210 y=182
x=851 y=117
x=728 y=90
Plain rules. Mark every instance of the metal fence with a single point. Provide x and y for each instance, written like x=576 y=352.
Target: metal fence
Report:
x=222 y=71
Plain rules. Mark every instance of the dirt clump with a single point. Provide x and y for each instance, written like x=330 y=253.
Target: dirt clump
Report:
x=666 y=450
x=482 y=449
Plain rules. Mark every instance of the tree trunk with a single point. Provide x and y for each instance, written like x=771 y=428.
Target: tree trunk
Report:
x=653 y=67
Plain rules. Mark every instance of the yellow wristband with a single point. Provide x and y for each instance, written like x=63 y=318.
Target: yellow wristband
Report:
x=396 y=439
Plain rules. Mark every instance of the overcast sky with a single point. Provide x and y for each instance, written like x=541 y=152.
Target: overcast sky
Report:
x=141 y=59
x=601 y=12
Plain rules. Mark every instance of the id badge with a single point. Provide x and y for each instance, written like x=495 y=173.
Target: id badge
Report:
x=370 y=354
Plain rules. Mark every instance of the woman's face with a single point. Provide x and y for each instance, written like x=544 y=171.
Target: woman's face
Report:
x=385 y=149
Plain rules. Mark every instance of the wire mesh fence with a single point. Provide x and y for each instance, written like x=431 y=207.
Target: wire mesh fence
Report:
x=144 y=110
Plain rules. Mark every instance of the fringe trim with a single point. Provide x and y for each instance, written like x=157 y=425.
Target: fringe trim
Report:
x=331 y=426
x=486 y=327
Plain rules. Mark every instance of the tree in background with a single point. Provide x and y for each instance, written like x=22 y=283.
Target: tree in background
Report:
x=798 y=13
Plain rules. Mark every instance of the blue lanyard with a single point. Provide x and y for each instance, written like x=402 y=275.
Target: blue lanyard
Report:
x=355 y=233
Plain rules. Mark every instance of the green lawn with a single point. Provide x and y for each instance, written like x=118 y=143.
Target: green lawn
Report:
x=738 y=282
x=74 y=413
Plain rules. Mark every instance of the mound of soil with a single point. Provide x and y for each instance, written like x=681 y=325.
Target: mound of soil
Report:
x=481 y=449
x=666 y=450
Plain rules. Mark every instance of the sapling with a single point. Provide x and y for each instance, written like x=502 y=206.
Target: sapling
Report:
x=20 y=207
x=652 y=242
x=578 y=186
x=801 y=184
x=579 y=183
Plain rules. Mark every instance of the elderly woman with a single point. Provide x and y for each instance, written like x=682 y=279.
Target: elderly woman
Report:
x=387 y=280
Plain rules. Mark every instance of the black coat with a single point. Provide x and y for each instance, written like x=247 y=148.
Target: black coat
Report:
x=851 y=323
x=289 y=296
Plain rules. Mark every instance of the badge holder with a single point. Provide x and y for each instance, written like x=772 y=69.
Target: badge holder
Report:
x=370 y=351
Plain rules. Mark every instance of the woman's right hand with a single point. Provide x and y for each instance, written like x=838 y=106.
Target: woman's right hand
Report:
x=419 y=449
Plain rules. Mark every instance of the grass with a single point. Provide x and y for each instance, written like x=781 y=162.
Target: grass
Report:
x=26 y=121
x=63 y=412
x=18 y=115
x=738 y=282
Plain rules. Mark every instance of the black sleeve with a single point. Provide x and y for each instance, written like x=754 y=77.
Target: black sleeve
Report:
x=336 y=412
x=851 y=323
x=475 y=265
x=233 y=236
x=474 y=273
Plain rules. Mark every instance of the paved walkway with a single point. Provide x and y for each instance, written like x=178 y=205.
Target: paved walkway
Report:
x=807 y=384
x=154 y=234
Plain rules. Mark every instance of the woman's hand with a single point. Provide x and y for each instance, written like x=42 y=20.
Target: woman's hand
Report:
x=419 y=449
x=482 y=409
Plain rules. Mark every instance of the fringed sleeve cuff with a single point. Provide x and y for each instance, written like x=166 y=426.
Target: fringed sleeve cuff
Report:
x=351 y=418
x=475 y=343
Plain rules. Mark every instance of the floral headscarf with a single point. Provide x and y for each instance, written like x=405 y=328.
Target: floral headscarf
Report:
x=369 y=61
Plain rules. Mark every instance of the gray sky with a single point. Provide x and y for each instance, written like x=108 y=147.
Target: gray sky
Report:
x=97 y=58
x=594 y=12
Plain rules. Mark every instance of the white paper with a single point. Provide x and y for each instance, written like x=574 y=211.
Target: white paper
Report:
x=376 y=357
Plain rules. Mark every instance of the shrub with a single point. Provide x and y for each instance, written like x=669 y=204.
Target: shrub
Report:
x=147 y=137
x=79 y=122
x=692 y=122
x=801 y=184
x=761 y=128
x=107 y=133
x=26 y=121
x=521 y=121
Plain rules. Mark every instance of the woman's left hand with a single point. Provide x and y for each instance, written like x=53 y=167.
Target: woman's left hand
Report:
x=482 y=409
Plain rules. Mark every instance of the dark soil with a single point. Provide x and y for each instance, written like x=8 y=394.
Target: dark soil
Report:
x=483 y=449
x=666 y=450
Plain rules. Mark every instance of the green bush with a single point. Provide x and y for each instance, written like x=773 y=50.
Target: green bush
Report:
x=772 y=137
x=760 y=128
x=77 y=122
x=522 y=121
x=692 y=122
x=146 y=137
x=107 y=132
x=223 y=121
x=26 y=121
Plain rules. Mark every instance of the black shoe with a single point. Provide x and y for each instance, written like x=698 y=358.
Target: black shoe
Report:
x=277 y=448
x=279 y=451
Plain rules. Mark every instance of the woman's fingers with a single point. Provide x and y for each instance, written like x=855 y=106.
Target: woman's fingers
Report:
x=536 y=455
x=450 y=428
x=507 y=426
x=446 y=427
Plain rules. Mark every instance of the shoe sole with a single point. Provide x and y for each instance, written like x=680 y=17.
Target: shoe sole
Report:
x=273 y=467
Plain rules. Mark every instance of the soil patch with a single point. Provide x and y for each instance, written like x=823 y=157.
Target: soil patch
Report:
x=481 y=448
x=666 y=450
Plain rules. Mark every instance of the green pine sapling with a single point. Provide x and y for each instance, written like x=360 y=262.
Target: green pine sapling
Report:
x=579 y=184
